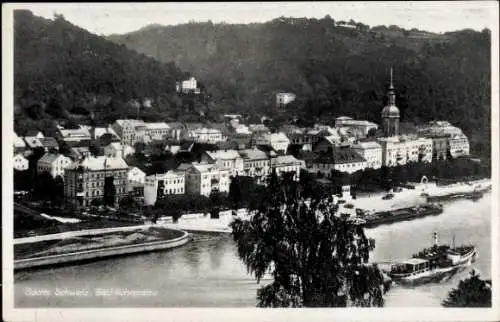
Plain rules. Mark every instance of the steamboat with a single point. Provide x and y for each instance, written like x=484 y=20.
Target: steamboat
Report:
x=433 y=264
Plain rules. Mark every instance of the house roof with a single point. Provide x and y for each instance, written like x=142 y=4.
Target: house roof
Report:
x=102 y=163
x=81 y=131
x=49 y=142
x=223 y=154
x=367 y=145
x=18 y=142
x=253 y=154
x=157 y=126
x=49 y=158
x=341 y=155
x=33 y=141
x=278 y=137
x=285 y=159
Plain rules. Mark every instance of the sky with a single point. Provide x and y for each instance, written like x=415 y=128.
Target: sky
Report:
x=120 y=18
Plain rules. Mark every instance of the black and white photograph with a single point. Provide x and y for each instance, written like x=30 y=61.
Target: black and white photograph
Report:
x=261 y=155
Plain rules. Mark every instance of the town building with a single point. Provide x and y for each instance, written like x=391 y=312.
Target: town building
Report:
x=287 y=164
x=371 y=151
x=74 y=136
x=20 y=162
x=459 y=146
x=206 y=135
x=440 y=146
x=97 y=132
x=359 y=128
x=135 y=178
x=394 y=151
x=277 y=141
x=79 y=153
x=18 y=144
x=227 y=160
x=157 y=131
x=130 y=131
x=283 y=99
x=256 y=164
x=188 y=86
x=33 y=142
x=54 y=164
x=203 y=178
x=49 y=144
x=343 y=159
x=390 y=113
x=439 y=128
x=159 y=185
x=326 y=144
x=116 y=149
x=258 y=129
x=419 y=149
x=96 y=178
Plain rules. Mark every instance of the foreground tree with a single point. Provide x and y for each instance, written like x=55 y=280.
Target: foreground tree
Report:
x=316 y=259
x=471 y=292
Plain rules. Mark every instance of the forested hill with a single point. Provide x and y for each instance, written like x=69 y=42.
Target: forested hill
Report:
x=334 y=69
x=65 y=73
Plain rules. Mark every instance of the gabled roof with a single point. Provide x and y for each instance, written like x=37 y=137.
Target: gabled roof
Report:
x=102 y=162
x=367 y=145
x=49 y=142
x=340 y=156
x=33 y=141
x=253 y=154
x=223 y=154
x=285 y=159
x=50 y=158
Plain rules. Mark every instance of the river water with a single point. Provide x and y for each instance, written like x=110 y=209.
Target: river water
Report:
x=207 y=272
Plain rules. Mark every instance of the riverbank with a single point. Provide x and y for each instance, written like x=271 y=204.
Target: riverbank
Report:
x=93 y=245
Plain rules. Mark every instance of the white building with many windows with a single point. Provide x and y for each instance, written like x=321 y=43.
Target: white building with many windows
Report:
x=55 y=164
x=287 y=164
x=73 y=136
x=343 y=159
x=116 y=149
x=256 y=164
x=158 y=185
x=20 y=162
x=203 y=178
x=206 y=135
x=228 y=160
x=135 y=176
x=371 y=151
x=459 y=145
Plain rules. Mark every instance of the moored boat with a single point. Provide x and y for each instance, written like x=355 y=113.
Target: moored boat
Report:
x=433 y=264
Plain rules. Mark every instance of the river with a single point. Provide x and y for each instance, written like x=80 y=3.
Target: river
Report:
x=207 y=272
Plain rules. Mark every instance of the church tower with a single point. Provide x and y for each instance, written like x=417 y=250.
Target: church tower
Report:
x=390 y=113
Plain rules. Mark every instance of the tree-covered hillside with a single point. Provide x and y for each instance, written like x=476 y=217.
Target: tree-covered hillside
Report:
x=335 y=69
x=65 y=73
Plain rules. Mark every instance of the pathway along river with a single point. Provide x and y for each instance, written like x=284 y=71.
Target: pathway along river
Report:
x=207 y=272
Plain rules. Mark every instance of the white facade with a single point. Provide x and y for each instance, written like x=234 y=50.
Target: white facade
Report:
x=130 y=131
x=393 y=151
x=283 y=99
x=170 y=183
x=205 y=135
x=459 y=146
x=190 y=84
x=20 y=162
x=256 y=164
x=157 y=131
x=371 y=152
x=419 y=150
x=203 y=178
x=18 y=142
x=278 y=141
x=227 y=160
x=135 y=176
x=74 y=135
x=116 y=149
x=287 y=163
x=55 y=164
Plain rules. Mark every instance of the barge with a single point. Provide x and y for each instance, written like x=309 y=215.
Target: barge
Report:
x=371 y=220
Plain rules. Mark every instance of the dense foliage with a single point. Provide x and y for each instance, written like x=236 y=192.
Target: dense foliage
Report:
x=334 y=70
x=65 y=73
x=315 y=258
x=471 y=292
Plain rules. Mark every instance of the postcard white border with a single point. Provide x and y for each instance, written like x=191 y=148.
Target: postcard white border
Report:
x=217 y=314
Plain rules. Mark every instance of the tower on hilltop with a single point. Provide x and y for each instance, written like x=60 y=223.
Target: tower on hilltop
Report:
x=390 y=113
